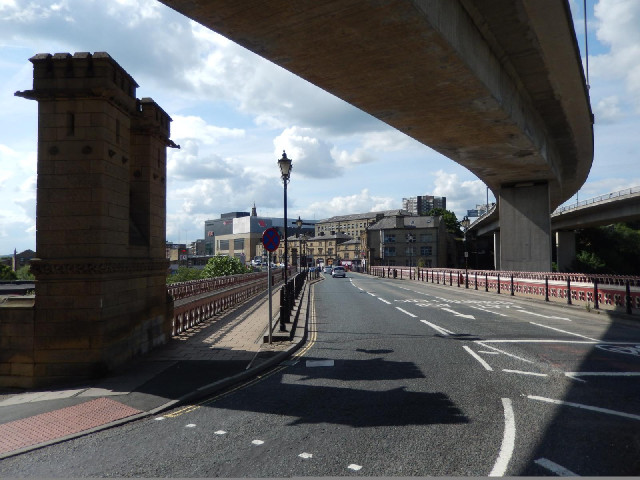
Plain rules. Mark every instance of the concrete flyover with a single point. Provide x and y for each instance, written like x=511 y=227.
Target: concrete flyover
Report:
x=496 y=86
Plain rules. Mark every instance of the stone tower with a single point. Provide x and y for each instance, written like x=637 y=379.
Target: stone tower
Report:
x=101 y=270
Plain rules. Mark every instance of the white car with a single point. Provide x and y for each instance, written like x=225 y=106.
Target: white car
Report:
x=338 y=272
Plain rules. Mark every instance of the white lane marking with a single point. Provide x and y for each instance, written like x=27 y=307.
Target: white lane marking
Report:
x=320 y=363
x=408 y=313
x=602 y=374
x=355 y=467
x=190 y=425
x=553 y=467
x=489 y=311
x=257 y=442
x=438 y=329
x=585 y=407
x=383 y=300
x=159 y=418
x=563 y=331
x=508 y=440
x=525 y=373
x=477 y=357
x=458 y=314
x=372 y=294
x=306 y=455
x=488 y=352
x=497 y=350
x=543 y=316
x=220 y=432
x=537 y=341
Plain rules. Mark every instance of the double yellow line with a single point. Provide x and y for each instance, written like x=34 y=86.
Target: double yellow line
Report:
x=311 y=339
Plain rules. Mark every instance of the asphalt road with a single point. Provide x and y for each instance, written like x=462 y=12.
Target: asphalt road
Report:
x=401 y=379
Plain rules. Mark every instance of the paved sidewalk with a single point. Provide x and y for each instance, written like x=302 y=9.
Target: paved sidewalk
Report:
x=210 y=357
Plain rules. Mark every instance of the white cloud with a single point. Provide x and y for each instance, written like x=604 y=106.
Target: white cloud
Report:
x=311 y=157
x=357 y=203
x=460 y=195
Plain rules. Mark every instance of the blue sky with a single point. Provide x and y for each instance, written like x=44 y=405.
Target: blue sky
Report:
x=233 y=114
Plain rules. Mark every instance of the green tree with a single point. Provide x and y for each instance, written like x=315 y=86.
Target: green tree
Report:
x=220 y=265
x=449 y=218
x=24 y=273
x=6 y=273
x=614 y=249
x=184 y=274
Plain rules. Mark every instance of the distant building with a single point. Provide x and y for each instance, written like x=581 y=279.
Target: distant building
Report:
x=239 y=234
x=407 y=241
x=352 y=225
x=423 y=204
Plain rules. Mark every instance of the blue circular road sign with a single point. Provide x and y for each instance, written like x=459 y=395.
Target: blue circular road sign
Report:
x=270 y=239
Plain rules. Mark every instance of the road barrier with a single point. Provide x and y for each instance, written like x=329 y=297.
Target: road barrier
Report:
x=606 y=292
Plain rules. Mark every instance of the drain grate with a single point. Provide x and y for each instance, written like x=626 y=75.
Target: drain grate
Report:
x=60 y=423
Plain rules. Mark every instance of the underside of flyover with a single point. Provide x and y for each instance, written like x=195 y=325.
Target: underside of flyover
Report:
x=497 y=86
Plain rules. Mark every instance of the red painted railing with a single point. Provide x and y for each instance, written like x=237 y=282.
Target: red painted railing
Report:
x=609 y=292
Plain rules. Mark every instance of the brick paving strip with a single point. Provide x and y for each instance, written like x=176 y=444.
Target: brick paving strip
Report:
x=60 y=423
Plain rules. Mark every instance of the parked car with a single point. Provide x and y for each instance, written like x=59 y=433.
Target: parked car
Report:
x=338 y=272
x=327 y=269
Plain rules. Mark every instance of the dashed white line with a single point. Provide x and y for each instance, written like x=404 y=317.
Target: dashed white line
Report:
x=190 y=425
x=407 y=313
x=305 y=455
x=372 y=294
x=525 y=373
x=602 y=374
x=355 y=467
x=257 y=442
x=385 y=301
x=585 y=407
x=477 y=357
x=508 y=440
x=543 y=316
x=555 y=468
x=442 y=331
x=563 y=331
x=220 y=432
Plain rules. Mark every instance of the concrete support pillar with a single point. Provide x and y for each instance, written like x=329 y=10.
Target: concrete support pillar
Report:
x=496 y=249
x=566 y=248
x=525 y=227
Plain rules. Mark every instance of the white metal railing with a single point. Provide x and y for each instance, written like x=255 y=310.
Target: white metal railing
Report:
x=600 y=198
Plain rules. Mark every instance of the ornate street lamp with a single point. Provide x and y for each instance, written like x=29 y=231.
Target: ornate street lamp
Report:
x=285 y=171
x=465 y=225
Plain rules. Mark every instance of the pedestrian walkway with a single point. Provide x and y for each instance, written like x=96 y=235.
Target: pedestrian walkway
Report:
x=209 y=357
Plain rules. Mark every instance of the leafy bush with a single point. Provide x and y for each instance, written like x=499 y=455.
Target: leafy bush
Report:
x=220 y=265
x=184 y=274
x=24 y=273
x=6 y=273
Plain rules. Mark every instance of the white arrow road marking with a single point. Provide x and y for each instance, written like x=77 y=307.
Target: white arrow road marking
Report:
x=564 y=331
x=458 y=314
x=508 y=440
x=497 y=350
x=585 y=407
x=438 y=329
x=555 y=468
x=407 y=313
x=477 y=357
x=543 y=316
x=489 y=311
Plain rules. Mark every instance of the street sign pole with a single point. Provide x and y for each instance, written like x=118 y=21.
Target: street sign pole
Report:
x=269 y=293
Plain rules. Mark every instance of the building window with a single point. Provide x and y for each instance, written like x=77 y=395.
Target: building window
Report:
x=389 y=238
x=389 y=251
x=223 y=244
x=410 y=251
x=426 y=250
x=426 y=237
x=238 y=243
x=346 y=256
x=329 y=251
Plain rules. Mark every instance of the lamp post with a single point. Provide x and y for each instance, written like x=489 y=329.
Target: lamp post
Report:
x=285 y=171
x=465 y=225
x=299 y=225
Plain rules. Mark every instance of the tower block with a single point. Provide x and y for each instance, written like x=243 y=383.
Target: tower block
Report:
x=101 y=294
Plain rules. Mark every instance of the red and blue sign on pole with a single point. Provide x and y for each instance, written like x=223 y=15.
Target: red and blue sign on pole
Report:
x=271 y=239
